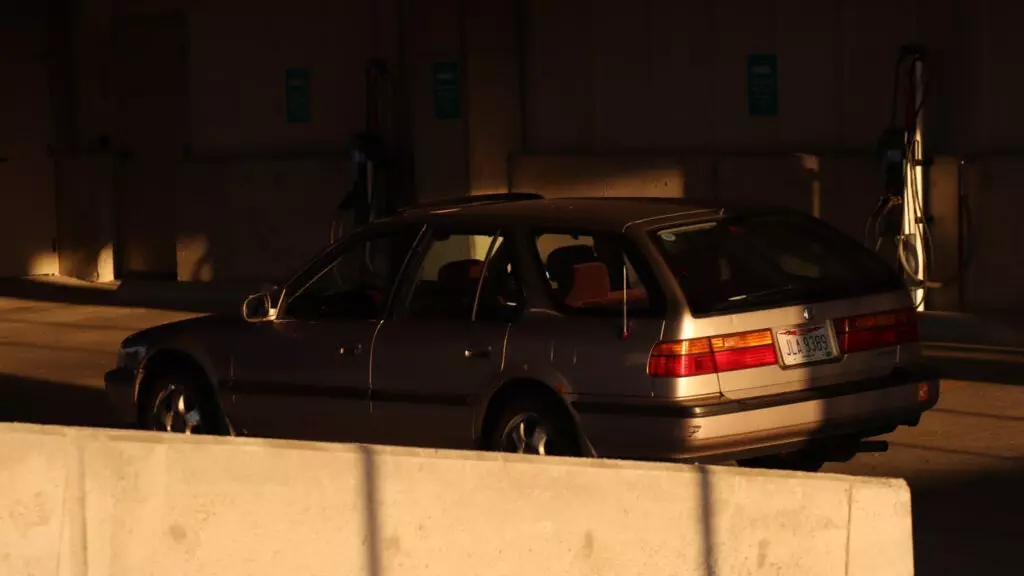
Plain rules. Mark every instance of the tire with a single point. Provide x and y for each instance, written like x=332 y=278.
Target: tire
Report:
x=531 y=425
x=178 y=403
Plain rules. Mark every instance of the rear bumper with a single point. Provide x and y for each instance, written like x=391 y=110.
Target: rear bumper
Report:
x=120 y=387
x=663 y=429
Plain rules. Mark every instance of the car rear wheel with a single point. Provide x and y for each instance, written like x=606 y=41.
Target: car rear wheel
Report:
x=175 y=403
x=534 y=426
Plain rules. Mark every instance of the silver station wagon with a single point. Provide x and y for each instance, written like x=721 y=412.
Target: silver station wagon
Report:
x=625 y=328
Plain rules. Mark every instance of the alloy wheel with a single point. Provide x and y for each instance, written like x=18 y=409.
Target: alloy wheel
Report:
x=176 y=410
x=527 y=434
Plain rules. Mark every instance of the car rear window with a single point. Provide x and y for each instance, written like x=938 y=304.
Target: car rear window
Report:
x=769 y=260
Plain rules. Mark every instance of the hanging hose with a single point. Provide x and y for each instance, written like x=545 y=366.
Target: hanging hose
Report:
x=908 y=194
x=914 y=194
x=903 y=191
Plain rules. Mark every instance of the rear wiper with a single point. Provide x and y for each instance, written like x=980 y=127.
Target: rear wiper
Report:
x=754 y=296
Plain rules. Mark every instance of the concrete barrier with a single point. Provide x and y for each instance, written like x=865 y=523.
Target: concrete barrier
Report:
x=119 y=503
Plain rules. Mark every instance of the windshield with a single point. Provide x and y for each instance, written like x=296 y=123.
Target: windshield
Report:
x=768 y=260
x=379 y=236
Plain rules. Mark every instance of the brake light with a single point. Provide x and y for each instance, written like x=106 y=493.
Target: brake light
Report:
x=746 y=358
x=681 y=358
x=700 y=356
x=874 y=331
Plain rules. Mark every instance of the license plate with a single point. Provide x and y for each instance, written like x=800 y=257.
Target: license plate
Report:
x=805 y=345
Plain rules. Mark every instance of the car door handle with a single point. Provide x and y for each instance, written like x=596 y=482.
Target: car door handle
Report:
x=353 y=349
x=478 y=352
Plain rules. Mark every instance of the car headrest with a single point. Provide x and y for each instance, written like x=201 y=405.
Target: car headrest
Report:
x=561 y=261
x=590 y=281
x=460 y=272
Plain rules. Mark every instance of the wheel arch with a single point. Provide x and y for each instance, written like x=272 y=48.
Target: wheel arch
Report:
x=173 y=360
x=519 y=387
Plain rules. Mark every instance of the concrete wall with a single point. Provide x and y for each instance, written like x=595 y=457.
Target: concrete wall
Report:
x=649 y=75
x=79 y=501
x=218 y=185
x=838 y=189
x=27 y=204
x=995 y=277
x=566 y=176
x=255 y=194
x=254 y=219
x=243 y=192
x=657 y=79
x=493 y=68
x=575 y=96
x=86 y=167
x=612 y=89
x=434 y=32
x=238 y=54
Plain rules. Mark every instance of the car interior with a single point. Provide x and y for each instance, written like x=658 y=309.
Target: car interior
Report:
x=581 y=276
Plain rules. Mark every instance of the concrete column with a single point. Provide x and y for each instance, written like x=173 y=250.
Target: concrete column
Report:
x=27 y=232
x=85 y=171
x=493 y=87
x=433 y=34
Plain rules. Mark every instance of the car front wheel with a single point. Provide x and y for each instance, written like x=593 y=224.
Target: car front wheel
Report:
x=176 y=404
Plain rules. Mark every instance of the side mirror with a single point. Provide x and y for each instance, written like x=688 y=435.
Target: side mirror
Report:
x=258 y=308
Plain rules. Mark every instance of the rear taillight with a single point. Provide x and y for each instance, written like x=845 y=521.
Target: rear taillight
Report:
x=700 y=356
x=873 y=331
x=679 y=358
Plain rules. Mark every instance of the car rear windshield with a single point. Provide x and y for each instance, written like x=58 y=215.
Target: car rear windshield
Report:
x=769 y=260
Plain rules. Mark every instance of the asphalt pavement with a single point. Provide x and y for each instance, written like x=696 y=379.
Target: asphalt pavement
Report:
x=964 y=462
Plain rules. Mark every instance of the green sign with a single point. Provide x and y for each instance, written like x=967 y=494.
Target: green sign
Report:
x=763 y=84
x=296 y=82
x=447 y=91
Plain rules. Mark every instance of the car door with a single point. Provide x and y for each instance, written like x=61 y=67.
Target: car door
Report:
x=305 y=375
x=445 y=343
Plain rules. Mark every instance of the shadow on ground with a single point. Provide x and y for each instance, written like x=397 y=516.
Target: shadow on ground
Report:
x=968 y=523
x=45 y=402
x=1006 y=331
x=179 y=296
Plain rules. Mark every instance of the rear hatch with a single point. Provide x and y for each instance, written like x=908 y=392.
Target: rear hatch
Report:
x=780 y=301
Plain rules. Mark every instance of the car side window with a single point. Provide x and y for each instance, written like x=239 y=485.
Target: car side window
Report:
x=357 y=284
x=501 y=291
x=447 y=284
x=591 y=272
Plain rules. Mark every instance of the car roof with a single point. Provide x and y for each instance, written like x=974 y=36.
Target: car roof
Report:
x=591 y=212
